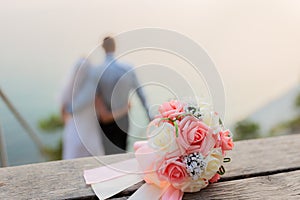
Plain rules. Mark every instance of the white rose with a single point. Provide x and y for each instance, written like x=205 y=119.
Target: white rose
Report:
x=214 y=161
x=163 y=138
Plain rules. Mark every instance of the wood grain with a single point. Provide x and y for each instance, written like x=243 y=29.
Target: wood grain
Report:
x=264 y=156
x=277 y=186
x=64 y=180
x=51 y=180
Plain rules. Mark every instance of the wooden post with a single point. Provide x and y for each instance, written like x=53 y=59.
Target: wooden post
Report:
x=23 y=123
x=3 y=155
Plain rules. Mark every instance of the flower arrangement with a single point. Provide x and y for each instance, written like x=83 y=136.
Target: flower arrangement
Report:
x=186 y=148
x=185 y=151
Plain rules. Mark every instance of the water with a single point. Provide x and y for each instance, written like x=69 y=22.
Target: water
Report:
x=34 y=104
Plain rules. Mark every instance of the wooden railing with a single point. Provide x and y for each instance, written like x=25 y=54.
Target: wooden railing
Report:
x=28 y=129
x=260 y=169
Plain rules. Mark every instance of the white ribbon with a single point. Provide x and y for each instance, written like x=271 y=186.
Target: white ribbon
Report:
x=107 y=189
x=112 y=171
x=147 y=192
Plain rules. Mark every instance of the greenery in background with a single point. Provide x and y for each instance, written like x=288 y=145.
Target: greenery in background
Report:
x=51 y=125
x=246 y=129
x=291 y=126
x=54 y=153
x=297 y=102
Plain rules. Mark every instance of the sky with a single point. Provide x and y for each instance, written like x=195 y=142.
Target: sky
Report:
x=254 y=44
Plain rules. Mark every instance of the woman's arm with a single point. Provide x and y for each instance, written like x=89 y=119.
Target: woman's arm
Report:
x=104 y=114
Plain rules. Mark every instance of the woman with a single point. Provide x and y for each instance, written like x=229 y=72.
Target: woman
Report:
x=81 y=135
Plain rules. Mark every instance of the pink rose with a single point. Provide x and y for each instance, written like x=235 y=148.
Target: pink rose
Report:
x=207 y=144
x=171 y=109
x=224 y=141
x=191 y=133
x=172 y=170
x=215 y=178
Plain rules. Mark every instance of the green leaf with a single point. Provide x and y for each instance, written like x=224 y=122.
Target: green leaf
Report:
x=176 y=128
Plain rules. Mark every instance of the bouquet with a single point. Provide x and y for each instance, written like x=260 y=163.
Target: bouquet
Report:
x=185 y=150
x=186 y=147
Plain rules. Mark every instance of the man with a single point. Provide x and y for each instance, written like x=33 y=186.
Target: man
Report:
x=116 y=82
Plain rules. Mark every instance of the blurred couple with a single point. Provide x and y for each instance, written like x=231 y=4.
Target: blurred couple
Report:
x=94 y=106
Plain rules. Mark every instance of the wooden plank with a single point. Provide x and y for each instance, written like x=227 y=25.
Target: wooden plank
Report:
x=64 y=180
x=277 y=186
x=260 y=156
x=251 y=158
x=51 y=180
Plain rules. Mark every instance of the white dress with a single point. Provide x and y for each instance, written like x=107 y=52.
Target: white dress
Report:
x=81 y=135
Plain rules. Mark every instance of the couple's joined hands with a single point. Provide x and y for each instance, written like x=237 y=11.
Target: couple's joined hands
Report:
x=107 y=116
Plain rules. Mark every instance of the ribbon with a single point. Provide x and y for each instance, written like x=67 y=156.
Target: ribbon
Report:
x=107 y=189
x=109 y=180
x=112 y=171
